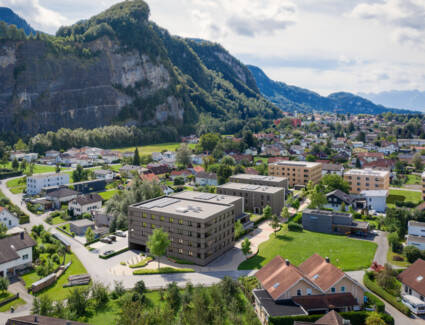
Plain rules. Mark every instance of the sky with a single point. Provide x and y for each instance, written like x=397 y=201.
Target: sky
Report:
x=323 y=45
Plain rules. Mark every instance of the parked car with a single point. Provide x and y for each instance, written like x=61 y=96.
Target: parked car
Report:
x=120 y=233
x=106 y=240
x=107 y=253
x=112 y=238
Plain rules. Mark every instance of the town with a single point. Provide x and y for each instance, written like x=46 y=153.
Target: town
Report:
x=315 y=219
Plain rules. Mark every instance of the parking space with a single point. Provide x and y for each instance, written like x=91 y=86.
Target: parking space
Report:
x=120 y=243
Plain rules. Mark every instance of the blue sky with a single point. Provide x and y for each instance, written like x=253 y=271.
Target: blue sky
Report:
x=323 y=45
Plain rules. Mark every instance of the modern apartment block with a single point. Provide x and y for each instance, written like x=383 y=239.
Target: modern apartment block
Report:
x=199 y=230
x=367 y=179
x=297 y=172
x=260 y=180
x=36 y=183
x=256 y=197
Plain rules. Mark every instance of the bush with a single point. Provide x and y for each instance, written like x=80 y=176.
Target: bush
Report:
x=398 y=258
x=412 y=253
x=24 y=219
x=162 y=270
x=371 y=285
x=292 y=226
x=374 y=300
x=142 y=263
x=114 y=253
x=394 y=242
x=298 y=218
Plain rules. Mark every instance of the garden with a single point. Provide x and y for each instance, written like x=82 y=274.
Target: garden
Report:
x=403 y=198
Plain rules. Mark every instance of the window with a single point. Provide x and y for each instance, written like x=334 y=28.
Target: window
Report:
x=180 y=251
x=342 y=289
x=161 y=218
x=299 y=292
x=333 y=290
x=152 y=226
x=144 y=215
x=309 y=292
x=180 y=221
x=25 y=257
x=152 y=217
x=171 y=220
x=144 y=224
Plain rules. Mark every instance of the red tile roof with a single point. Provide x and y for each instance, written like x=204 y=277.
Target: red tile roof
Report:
x=414 y=276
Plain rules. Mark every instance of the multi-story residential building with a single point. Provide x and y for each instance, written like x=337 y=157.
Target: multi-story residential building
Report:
x=36 y=183
x=256 y=197
x=423 y=186
x=16 y=253
x=297 y=172
x=333 y=169
x=199 y=231
x=85 y=204
x=8 y=219
x=315 y=286
x=331 y=222
x=260 y=180
x=375 y=199
x=416 y=234
x=367 y=179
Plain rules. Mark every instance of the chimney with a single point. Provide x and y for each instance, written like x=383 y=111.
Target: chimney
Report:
x=287 y=262
x=328 y=260
x=22 y=235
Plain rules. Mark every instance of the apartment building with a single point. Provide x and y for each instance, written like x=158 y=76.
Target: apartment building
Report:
x=256 y=197
x=260 y=180
x=36 y=183
x=367 y=179
x=199 y=230
x=297 y=172
x=416 y=234
x=423 y=186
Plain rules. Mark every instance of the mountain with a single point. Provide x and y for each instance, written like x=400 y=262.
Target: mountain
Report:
x=411 y=99
x=120 y=68
x=292 y=98
x=10 y=18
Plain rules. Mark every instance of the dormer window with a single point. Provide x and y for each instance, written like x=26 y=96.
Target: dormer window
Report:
x=276 y=285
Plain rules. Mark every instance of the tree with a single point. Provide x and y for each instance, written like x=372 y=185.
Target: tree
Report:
x=417 y=161
x=239 y=229
x=173 y=297
x=274 y=223
x=317 y=198
x=58 y=169
x=208 y=141
x=179 y=180
x=3 y=230
x=4 y=284
x=374 y=319
x=343 y=207
x=228 y=160
x=20 y=146
x=394 y=242
x=42 y=306
x=100 y=295
x=78 y=301
x=412 y=253
x=136 y=157
x=158 y=243
x=89 y=235
x=184 y=155
x=358 y=164
x=223 y=173
x=285 y=214
x=332 y=182
x=79 y=174
x=140 y=287
x=246 y=246
x=15 y=164
x=267 y=212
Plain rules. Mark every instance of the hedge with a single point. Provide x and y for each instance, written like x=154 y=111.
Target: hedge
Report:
x=372 y=286
x=65 y=232
x=355 y=317
x=142 y=263
x=24 y=219
x=293 y=226
x=114 y=253
x=162 y=270
x=374 y=300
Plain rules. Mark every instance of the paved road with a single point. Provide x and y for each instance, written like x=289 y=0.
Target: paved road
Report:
x=382 y=251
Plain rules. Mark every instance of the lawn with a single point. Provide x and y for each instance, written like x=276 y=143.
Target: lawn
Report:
x=391 y=255
x=345 y=253
x=403 y=196
x=413 y=179
x=15 y=303
x=38 y=169
x=148 y=150
x=108 y=194
x=57 y=220
x=17 y=185
x=56 y=291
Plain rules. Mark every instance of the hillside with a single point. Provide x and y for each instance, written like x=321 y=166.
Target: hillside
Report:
x=10 y=18
x=411 y=99
x=120 y=68
x=292 y=98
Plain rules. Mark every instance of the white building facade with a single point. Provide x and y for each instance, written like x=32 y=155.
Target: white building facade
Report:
x=416 y=234
x=8 y=218
x=36 y=183
x=376 y=199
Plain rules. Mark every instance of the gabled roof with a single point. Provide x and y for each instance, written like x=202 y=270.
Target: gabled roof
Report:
x=414 y=276
x=88 y=199
x=62 y=192
x=321 y=272
x=10 y=245
x=331 y=318
x=341 y=195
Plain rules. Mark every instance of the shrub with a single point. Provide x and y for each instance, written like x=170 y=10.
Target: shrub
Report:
x=398 y=258
x=412 y=253
x=395 y=243
x=292 y=226
x=374 y=300
x=162 y=270
x=142 y=263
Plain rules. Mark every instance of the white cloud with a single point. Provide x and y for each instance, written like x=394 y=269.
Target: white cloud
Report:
x=405 y=17
x=40 y=17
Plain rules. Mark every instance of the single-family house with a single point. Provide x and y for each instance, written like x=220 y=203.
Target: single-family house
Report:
x=180 y=173
x=103 y=174
x=413 y=280
x=129 y=170
x=79 y=227
x=156 y=156
x=204 y=178
x=15 y=253
x=85 y=204
x=336 y=198
x=8 y=219
x=101 y=218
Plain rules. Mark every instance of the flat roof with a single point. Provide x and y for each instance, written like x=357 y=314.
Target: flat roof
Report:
x=182 y=207
x=48 y=175
x=375 y=192
x=260 y=178
x=367 y=172
x=327 y=213
x=307 y=164
x=206 y=197
x=416 y=223
x=417 y=239
x=251 y=188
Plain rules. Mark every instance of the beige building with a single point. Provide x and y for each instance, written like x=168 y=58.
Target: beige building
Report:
x=367 y=179
x=260 y=180
x=297 y=172
x=199 y=230
x=256 y=197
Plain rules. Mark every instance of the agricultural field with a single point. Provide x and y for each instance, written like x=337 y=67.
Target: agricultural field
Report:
x=148 y=150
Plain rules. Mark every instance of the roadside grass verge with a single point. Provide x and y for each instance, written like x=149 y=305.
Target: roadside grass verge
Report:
x=162 y=270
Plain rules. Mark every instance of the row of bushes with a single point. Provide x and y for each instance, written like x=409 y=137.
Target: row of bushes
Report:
x=407 y=204
x=371 y=285
x=355 y=317
x=114 y=253
x=162 y=270
x=374 y=300
x=293 y=226
x=8 y=174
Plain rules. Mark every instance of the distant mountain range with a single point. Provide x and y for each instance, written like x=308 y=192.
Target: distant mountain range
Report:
x=9 y=17
x=292 y=98
x=410 y=99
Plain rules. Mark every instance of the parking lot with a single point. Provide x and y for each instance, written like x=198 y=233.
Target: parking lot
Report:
x=120 y=243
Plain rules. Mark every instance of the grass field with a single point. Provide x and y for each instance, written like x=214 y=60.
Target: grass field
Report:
x=14 y=303
x=345 y=253
x=38 y=169
x=17 y=185
x=403 y=196
x=108 y=194
x=56 y=221
x=390 y=256
x=413 y=180
x=148 y=150
x=57 y=292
